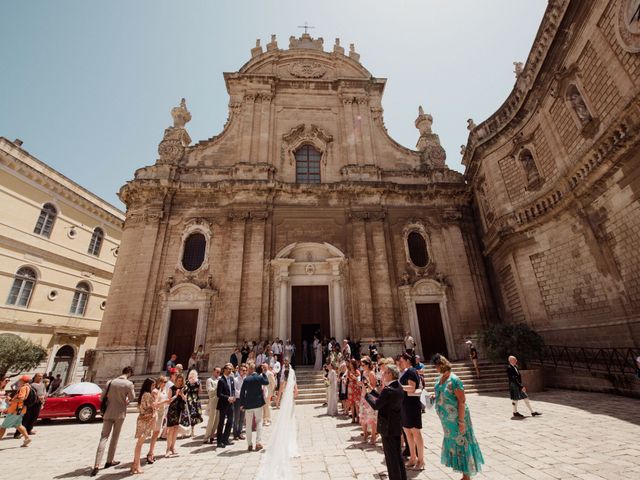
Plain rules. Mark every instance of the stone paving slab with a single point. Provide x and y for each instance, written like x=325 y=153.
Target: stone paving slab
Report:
x=586 y=436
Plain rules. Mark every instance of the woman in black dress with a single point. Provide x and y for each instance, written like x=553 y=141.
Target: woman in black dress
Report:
x=176 y=414
x=412 y=411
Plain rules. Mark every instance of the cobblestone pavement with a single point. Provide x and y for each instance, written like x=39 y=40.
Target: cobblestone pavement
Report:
x=586 y=436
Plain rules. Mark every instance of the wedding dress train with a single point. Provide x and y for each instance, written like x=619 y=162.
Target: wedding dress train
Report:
x=283 y=444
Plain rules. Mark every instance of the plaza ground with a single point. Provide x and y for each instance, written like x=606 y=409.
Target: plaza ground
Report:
x=585 y=436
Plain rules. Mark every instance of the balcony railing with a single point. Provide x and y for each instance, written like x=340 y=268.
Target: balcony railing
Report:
x=614 y=361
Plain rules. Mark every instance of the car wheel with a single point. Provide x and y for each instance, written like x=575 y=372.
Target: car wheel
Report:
x=85 y=413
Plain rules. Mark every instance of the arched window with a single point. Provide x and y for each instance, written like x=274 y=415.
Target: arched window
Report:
x=579 y=106
x=80 y=299
x=22 y=287
x=194 y=249
x=47 y=217
x=417 y=249
x=96 y=241
x=307 y=165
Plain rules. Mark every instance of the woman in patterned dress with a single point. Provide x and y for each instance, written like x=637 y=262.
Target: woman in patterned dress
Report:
x=460 y=449
x=161 y=400
x=353 y=389
x=368 y=416
x=193 y=400
x=146 y=421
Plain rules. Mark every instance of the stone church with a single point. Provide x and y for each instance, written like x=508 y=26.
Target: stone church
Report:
x=303 y=215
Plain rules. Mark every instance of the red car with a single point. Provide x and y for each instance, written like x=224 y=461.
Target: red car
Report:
x=80 y=400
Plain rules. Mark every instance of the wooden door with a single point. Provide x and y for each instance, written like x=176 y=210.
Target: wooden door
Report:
x=309 y=313
x=431 y=330
x=181 y=338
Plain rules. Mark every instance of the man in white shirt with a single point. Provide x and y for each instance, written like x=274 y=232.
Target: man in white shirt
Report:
x=238 y=413
x=276 y=348
x=214 y=414
x=409 y=343
x=261 y=358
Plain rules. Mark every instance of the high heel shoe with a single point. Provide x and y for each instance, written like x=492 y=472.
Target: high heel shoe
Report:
x=418 y=466
x=150 y=459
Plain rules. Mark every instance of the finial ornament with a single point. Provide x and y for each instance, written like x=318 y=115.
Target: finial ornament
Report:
x=175 y=139
x=181 y=116
x=431 y=152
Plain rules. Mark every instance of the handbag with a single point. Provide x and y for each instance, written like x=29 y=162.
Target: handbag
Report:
x=104 y=402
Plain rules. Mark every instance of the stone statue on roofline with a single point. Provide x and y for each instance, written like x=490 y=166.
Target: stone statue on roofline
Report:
x=175 y=139
x=431 y=152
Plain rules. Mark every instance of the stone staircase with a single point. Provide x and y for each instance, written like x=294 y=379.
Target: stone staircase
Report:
x=493 y=377
x=311 y=389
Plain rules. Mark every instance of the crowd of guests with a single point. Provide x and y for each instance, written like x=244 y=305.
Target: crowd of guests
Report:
x=388 y=396
x=241 y=395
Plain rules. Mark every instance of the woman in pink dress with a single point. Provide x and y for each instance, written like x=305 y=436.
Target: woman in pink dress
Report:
x=368 y=416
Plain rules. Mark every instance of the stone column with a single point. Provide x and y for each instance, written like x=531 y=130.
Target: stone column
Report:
x=252 y=278
x=349 y=131
x=363 y=319
x=337 y=315
x=281 y=302
x=381 y=282
x=262 y=153
x=231 y=286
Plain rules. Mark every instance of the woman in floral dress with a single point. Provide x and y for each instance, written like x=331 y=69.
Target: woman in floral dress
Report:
x=353 y=389
x=145 y=423
x=460 y=449
x=368 y=416
x=193 y=400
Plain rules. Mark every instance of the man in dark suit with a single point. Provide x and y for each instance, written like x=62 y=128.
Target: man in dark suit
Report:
x=517 y=391
x=252 y=401
x=226 y=396
x=388 y=404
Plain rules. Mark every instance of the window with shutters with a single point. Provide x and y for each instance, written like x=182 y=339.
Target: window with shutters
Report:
x=194 y=251
x=45 y=222
x=307 y=164
x=96 y=242
x=80 y=299
x=22 y=288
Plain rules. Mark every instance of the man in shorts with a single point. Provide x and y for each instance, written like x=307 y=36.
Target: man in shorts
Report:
x=16 y=410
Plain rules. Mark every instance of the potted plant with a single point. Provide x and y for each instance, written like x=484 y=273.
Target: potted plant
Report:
x=520 y=340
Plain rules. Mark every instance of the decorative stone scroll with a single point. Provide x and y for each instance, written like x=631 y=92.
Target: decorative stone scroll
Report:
x=306 y=134
x=307 y=70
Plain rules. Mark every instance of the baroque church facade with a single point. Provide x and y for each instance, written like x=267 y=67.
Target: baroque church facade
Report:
x=304 y=215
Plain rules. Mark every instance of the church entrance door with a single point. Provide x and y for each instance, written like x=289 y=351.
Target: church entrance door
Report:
x=182 y=335
x=309 y=314
x=431 y=330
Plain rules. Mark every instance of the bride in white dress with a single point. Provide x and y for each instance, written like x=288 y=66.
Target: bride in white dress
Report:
x=283 y=444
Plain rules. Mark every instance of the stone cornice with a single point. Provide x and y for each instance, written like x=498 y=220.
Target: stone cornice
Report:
x=25 y=164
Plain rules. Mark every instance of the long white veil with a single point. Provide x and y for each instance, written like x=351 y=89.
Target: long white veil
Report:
x=283 y=443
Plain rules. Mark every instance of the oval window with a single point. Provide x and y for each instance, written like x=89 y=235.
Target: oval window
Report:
x=194 y=248
x=417 y=249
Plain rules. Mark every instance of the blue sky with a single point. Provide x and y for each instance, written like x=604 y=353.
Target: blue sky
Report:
x=88 y=85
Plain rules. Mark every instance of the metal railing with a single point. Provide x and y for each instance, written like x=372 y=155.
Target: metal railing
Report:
x=614 y=361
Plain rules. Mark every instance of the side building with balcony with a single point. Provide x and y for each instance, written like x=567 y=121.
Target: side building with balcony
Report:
x=58 y=248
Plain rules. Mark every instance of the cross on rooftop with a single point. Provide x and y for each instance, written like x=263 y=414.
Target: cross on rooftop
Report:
x=306 y=27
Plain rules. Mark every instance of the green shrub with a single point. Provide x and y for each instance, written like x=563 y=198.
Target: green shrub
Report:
x=518 y=339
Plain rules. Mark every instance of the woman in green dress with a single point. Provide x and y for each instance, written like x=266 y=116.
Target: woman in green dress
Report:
x=460 y=449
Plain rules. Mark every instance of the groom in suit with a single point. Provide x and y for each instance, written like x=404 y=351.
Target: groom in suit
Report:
x=388 y=404
x=226 y=397
x=252 y=400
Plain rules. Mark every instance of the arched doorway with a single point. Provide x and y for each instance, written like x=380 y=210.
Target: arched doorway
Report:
x=63 y=362
x=308 y=289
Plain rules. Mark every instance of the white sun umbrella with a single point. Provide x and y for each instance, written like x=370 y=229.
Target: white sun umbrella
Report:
x=82 y=388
